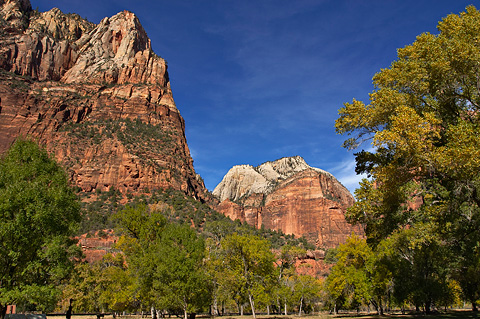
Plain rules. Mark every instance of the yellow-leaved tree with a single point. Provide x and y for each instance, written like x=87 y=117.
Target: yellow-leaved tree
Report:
x=423 y=159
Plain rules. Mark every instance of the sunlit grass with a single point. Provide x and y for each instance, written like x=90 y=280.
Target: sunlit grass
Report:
x=451 y=314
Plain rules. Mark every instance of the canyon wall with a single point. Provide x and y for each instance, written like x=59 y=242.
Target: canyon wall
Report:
x=96 y=96
x=290 y=196
x=99 y=99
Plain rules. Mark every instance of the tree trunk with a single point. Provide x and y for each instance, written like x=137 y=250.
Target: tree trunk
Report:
x=252 y=304
x=268 y=310
x=215 y=305
x=285 y=308
x=241 y=310
x=159 y=314
x=428 y=305
x=474 y=306
x=185 y=309
x=380 y=308
x=335 y=311
x=153 y=313
x=300 y=309
x=3 y=311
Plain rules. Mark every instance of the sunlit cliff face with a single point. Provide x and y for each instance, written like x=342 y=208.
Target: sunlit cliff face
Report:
x=290 y=196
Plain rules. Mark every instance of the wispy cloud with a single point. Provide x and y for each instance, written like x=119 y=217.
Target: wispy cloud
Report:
x=259 y=80
x=345 y=173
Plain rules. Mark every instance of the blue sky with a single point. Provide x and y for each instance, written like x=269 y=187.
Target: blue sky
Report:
x=257 y=80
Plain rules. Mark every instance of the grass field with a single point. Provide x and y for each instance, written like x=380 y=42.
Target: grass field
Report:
x=452 y=314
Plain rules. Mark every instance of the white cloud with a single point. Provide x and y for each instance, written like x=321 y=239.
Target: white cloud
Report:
x=345 y=173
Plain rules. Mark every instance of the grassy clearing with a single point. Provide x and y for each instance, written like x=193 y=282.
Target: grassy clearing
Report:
x=451 y=314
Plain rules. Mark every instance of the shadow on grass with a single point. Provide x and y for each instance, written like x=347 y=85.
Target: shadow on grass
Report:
x=452 y=314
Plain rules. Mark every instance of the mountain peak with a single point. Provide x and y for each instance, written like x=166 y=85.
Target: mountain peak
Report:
x=95 y=95
x=243 y=180
x=116 y=51
x=291 y=196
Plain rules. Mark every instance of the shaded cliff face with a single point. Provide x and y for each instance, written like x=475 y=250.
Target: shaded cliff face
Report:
x=96 y=96
x=290 y=196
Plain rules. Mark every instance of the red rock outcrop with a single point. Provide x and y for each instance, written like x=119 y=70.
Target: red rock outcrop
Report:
x=96 y=96
x=289 y=196
x=96 y=246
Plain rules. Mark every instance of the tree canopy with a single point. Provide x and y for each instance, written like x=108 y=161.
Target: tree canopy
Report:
x=167 y=258
x=348 y=283
x=38 y=215
x=423 y=162
x=248 y=265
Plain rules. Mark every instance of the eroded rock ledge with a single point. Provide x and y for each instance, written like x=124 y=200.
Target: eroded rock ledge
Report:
x=291 y=196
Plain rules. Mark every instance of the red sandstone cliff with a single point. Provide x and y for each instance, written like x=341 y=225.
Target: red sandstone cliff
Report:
x=290 y=196
x=97 y=245
x=99 y=98
x=96 y=96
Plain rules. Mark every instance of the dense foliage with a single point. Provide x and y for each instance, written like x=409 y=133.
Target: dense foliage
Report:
x=100 y=206
x=38 y=214
x=422 y=197
x=165 y=266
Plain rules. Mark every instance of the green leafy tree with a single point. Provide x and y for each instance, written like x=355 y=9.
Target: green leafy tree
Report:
x=287 y=274
x=307 y=290
x=141 y=229
x=249 y=263
x=225 y=288
x=285 y=291
x=180 y=279
x=38 y=214
x=105 y=285
x=419 y=266
x=84 y=288
x=423 y=121
x=379 y=270
x=117 y=284
x=348 y=282
x=213 y=266
x=167 y=259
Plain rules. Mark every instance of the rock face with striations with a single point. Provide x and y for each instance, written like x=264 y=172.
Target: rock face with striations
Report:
x=290 y=196
x=96 y=96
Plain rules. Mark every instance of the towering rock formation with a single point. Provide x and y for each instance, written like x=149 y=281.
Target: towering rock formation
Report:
x=96 y=96
x=290 y=196
x=99 y=99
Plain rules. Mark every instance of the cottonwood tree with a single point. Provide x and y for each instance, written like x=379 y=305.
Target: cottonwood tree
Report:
x=423 y=122
x=167 y=259
x=418 y=264
x=287 y=275
x=380 y=269
x=248 y=262
x=225 y=287
x=180 y=279
x=38 y=214
x=104 y=285
x=117 y=282
x=140 y=229
x=348 y=283
x=84 y=288
x=306 y=290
